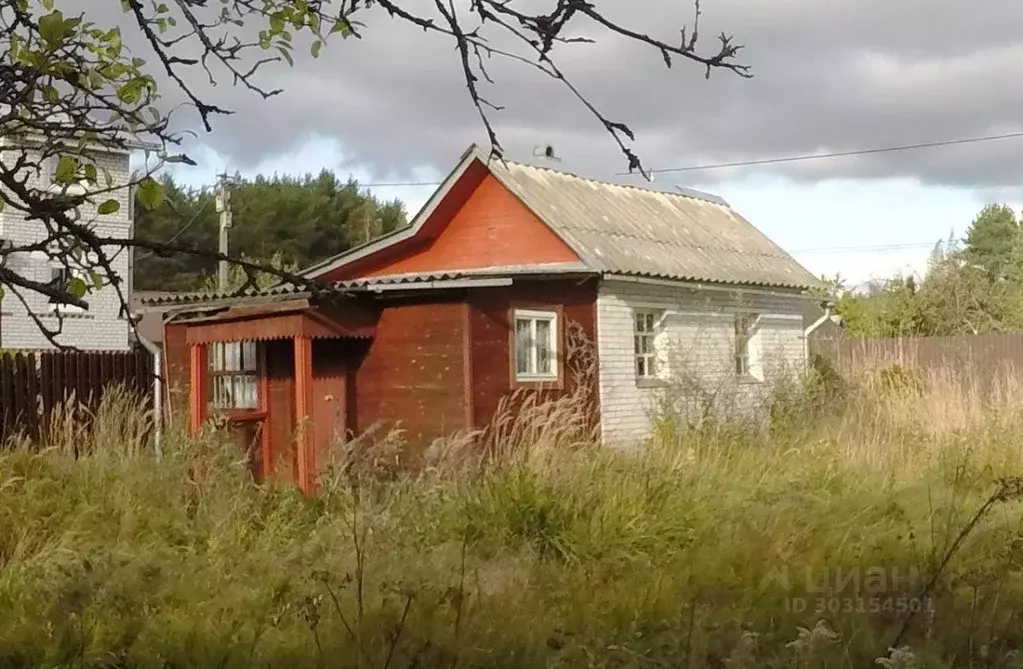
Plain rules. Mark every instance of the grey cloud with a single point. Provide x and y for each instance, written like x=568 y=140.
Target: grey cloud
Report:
x=829 y=76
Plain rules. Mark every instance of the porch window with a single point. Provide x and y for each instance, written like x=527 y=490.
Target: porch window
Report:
x=536 y=348
x=743 y=332
x=233 y=375
x=644 y=337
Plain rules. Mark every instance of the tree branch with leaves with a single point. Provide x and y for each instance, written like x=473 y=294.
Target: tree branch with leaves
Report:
x=71 y=91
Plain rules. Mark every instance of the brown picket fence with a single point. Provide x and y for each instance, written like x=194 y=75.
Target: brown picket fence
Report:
x=33 y=385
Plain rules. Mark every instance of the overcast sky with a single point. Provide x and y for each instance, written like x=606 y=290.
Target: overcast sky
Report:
x=829 y=75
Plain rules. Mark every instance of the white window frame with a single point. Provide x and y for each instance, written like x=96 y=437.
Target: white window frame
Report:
x=533 y=316
x=745 y=324
x=645 y=362
x=234 y=375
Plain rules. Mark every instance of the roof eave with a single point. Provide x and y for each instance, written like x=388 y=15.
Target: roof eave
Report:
x=790 y=290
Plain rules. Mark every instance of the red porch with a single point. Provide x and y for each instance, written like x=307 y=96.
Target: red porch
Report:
x=296 y=375
x=280 y=372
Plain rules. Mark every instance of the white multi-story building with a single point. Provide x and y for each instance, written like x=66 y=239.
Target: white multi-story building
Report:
x=102 y=326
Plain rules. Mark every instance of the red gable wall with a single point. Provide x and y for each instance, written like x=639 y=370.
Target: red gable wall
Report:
x=491 y=228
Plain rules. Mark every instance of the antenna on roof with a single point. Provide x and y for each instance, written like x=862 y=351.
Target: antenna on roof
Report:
x=546 y=152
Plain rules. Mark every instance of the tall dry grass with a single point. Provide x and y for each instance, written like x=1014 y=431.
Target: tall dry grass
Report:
x=531 y=545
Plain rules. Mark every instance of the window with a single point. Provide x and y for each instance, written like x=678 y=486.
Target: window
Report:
x=743 y=333
x=61 y=277
x=645 y=325
x=233 y=374
x=536 y=351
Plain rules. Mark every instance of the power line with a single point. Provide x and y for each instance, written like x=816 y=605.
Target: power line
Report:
x=836 y=154
x=875 y=247
x=181 y=230
x=761 y=161
x=396 y=184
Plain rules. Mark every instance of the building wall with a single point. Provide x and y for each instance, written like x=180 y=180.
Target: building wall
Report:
x=279 y=358
x=99 y=328
x=413 y=373
x=479 y=224
x=176 y=372
x=695 y=347
x=491 y=335
x=492 y=229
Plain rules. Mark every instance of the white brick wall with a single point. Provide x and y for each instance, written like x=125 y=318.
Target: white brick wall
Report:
x=99 y=328
x=695 y=346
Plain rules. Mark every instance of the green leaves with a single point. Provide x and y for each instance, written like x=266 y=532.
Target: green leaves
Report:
x=315 y=48
x=131 y=92
x=109 y=207
x=149 y=193
x=76 y=287
x=342 y=26
x=67 y=171
x=55 y=29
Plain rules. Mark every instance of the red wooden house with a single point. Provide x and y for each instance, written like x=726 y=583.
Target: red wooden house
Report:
x=506 y=273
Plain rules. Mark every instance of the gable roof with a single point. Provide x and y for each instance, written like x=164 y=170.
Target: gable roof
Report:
x=624 y=230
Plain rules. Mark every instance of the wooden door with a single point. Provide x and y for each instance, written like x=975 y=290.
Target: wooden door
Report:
x=329 y=401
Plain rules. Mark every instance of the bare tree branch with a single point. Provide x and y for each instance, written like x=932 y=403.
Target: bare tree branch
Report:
x=72 y=93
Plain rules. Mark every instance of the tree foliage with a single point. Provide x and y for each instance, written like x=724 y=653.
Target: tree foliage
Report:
x=969 y=288
x=297 y=220
x=990 y=240
x=69 y=85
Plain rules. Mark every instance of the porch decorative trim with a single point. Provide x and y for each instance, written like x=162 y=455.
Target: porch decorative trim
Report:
x=311 y=323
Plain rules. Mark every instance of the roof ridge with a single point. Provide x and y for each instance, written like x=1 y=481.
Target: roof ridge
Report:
x=680 y=191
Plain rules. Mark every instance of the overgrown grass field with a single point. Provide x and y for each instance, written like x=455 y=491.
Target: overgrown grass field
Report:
x=876 y=524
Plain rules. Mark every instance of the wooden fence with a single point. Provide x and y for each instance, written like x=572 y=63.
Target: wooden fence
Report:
x=32 y=385
x=970 y=357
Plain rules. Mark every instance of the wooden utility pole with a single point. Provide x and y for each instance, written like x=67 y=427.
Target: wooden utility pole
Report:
x=224 y=209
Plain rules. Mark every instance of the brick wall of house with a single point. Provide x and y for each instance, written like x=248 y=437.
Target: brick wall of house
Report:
x=99 y=328
x=695 y=348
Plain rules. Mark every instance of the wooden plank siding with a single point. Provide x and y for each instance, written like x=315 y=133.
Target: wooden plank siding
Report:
x=474 y=229
x=413 y=372
x=438 y=363
x=34 y=385
x=492 y=332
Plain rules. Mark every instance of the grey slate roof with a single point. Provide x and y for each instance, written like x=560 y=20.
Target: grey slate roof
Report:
x=623 y=230
x=157 y=300
x=646 y=232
